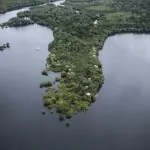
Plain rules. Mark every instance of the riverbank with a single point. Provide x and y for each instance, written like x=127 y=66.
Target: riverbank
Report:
x=78 y=38
x=9 y=5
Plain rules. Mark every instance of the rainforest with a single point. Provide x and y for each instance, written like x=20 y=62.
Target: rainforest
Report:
x=80 y=28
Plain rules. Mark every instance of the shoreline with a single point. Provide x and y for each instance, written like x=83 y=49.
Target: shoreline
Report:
x=75 y=54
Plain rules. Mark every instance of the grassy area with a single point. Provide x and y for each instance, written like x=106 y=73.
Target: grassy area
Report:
x=118 y=16
x=99 y=8
x=74 y=52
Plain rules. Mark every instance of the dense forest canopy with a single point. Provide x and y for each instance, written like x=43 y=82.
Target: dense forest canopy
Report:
x=80 y=29
x=14 y=4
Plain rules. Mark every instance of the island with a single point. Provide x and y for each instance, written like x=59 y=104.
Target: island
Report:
x=4 y=46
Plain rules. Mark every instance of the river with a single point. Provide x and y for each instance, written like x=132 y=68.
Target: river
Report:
x=118 y=120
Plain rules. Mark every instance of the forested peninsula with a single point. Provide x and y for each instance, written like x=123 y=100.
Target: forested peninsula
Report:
x=80 y=28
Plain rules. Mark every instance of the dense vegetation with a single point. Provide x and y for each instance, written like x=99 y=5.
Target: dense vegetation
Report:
x=16 y=22
x=80 y=29
x=7 y=5
x=4 y=46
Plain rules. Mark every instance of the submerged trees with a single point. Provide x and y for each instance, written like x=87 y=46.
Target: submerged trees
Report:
x=4 y=46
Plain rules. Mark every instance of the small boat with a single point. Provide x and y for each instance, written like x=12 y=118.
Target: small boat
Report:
x=37 y=48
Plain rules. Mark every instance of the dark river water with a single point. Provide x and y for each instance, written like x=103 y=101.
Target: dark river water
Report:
x=118 y=120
